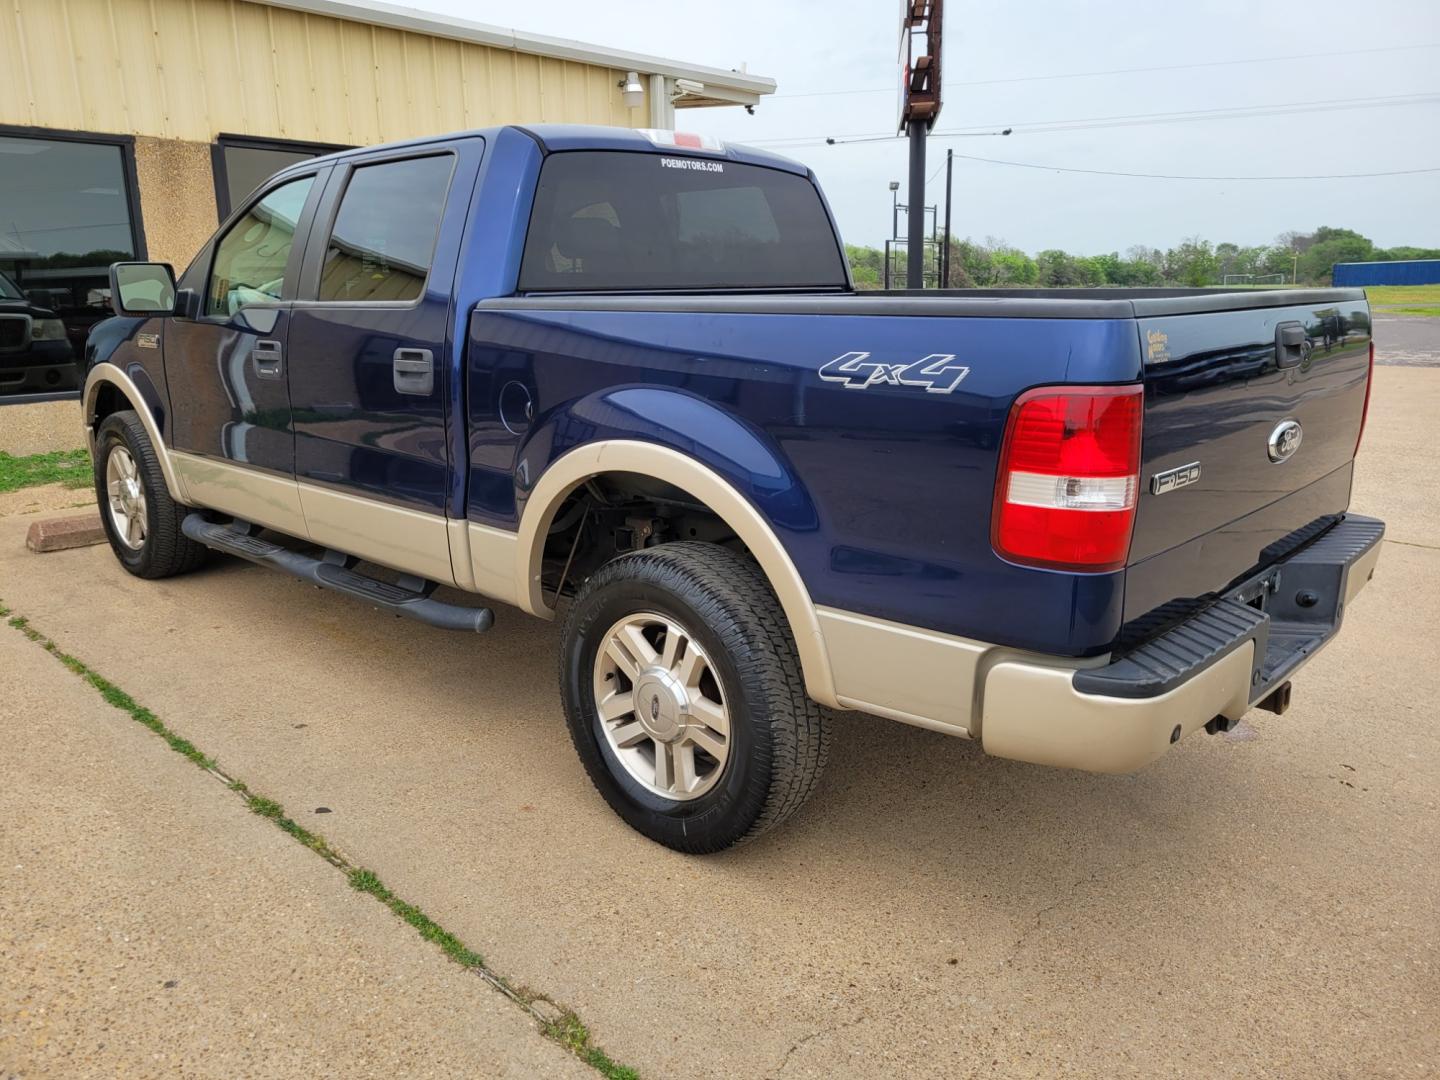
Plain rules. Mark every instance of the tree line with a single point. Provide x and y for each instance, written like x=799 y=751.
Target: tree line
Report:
x=1301 y=258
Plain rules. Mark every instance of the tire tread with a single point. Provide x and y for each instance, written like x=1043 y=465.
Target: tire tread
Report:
x=733 y=596
x=168 y=551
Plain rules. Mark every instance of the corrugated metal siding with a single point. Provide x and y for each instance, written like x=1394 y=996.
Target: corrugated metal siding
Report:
x=1399 y=272
x=189 y=69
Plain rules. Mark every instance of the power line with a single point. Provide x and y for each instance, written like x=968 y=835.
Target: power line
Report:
x=1129 y=71
x=1042 y=127
x=1171 y=176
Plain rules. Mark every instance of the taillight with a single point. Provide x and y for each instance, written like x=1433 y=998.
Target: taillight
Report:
x=1365 y=409
x=1069 y=478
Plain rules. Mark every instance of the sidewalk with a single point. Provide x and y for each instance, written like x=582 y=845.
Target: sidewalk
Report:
x=151 y=926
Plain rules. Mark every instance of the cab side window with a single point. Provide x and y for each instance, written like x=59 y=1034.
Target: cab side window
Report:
x=250 y=259
x=385 y=230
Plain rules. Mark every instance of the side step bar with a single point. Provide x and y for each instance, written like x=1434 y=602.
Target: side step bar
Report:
x=411 y=597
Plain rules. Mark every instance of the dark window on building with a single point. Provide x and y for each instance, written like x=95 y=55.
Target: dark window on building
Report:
x=67 y=211
x=613 y=220
x=250 y=259
x=384 y=234
x=242 y=164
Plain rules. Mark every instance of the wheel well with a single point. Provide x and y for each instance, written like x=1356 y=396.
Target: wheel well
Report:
x=109 y=398
x=611 y=514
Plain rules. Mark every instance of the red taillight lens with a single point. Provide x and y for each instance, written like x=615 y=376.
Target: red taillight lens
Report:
x=1365 y=409
x=1069 y=478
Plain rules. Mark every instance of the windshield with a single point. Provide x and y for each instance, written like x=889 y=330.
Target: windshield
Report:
x=8 y=289
x=608 y=220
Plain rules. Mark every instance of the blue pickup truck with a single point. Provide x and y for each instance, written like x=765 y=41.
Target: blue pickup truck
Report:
x=625 y=376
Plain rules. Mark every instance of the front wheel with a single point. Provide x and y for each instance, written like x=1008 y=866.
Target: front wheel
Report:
x=685 y=700
x=141 y=520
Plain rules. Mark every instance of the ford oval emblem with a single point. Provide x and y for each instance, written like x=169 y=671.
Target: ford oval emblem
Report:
x=1285 y=440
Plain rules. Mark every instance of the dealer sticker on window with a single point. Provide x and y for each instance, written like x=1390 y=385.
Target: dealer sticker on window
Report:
x=691 y=163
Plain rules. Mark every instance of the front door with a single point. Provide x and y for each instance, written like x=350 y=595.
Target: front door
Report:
x=231 y=415
x=370 y=363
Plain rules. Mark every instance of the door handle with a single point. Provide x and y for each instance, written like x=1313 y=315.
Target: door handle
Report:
x=414 y=371
x=1292 y=344
x=268 y=359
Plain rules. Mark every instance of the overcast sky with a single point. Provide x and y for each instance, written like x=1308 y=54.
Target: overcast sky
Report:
x=816 y=47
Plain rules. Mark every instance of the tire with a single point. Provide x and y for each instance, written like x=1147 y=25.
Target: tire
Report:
x=713 y=609
x=156 y=549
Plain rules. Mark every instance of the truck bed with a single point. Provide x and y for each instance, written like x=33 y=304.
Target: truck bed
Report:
x=1215 y=389
x=957 y=303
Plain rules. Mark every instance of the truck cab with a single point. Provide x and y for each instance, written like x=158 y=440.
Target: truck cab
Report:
x=35 y=354
x=623 y=378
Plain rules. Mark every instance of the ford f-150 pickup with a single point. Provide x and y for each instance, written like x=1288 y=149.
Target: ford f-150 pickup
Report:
x=625 y=376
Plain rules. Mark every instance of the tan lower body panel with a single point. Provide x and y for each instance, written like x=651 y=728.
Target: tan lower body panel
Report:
x=272 y=501
x=407 y=540
x=493 y=554
x=902 y=672
x=1034 y=713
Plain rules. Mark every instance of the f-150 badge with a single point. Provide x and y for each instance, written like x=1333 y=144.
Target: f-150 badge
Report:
x=938 y=373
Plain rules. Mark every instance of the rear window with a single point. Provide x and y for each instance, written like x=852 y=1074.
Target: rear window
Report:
x=612 y=220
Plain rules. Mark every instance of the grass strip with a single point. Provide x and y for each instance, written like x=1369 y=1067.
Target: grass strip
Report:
x=68 y=467
x=567 y=1028
x=1431 y=312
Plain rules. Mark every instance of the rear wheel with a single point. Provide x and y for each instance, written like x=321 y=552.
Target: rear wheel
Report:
x=685 y=700
x=141 y=520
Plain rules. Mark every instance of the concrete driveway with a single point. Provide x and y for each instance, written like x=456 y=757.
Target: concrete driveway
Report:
x=1265 y=903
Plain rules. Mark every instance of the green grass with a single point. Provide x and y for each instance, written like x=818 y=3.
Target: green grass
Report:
x=567 y=1030
x=68 y=467
x=1405 y=299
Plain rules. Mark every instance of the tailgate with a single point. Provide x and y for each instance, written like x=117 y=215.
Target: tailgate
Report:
x=1250 y=428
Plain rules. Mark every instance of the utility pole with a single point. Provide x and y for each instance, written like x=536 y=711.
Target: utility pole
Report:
x=919 y=108
x=949 y=188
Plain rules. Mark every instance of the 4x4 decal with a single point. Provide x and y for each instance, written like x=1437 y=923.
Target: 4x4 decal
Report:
x=938 y=373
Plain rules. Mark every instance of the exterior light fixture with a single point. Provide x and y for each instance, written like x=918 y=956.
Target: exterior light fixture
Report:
x=632 y=90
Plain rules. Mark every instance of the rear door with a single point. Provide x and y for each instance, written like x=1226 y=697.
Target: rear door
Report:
x=373 y=356
x=1251 y=424
x=226 y=369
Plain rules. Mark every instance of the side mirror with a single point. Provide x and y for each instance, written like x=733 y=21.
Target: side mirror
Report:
x=142 y=288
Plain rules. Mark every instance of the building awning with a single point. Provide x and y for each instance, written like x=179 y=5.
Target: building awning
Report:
x=11 y=248
x=712 y=86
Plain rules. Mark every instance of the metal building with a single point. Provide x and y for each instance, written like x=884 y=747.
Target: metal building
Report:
x=1397 y=272
x=129 y=128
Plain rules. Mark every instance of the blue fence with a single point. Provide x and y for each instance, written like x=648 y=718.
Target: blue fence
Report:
x=1400 y=272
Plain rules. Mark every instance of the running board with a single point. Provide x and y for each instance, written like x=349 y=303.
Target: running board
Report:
x=411 y=598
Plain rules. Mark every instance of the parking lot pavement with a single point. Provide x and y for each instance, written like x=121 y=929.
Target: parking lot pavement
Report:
x=1261 y=903
x=150 y=925
x=1407 y=340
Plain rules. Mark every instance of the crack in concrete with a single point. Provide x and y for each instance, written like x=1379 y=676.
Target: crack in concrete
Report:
x=1412 y=543
x=785 y=1061
x=1069 y=895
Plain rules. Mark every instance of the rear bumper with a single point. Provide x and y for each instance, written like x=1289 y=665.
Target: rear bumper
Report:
x=1217 y=663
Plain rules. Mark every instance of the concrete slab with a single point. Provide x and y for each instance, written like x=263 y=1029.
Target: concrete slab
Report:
x=39 y=427
x=44 y=499
x=151 y=926
x=1262 y=903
